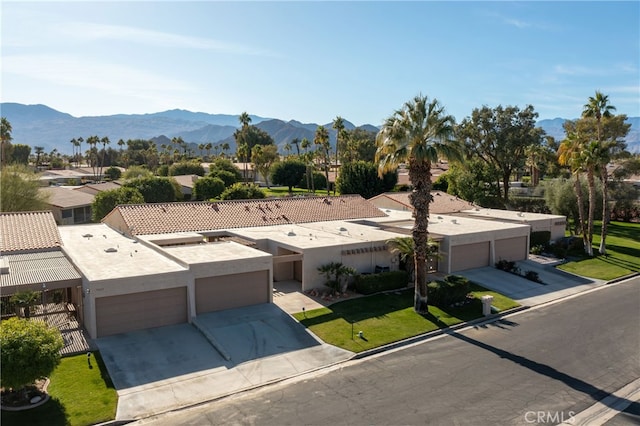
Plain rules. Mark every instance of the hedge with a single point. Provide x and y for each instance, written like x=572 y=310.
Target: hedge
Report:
x=384 y=281
x=452 y=290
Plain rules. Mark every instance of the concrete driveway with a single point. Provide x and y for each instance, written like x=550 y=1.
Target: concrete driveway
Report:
x=556 y=283
x=167 y=368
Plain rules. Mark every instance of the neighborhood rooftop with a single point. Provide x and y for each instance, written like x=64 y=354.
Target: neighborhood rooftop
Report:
x=146 y=219
x=28 y=232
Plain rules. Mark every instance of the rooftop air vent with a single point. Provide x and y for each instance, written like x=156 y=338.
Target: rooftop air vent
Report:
x=87 y=235
x=454 y=221
x=291 y=234
x=342 y=229
x=111 y=250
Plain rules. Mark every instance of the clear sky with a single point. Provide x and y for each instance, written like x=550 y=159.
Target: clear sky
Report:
x=312 y=61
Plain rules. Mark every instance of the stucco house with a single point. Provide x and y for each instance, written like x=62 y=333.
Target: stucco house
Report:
x=69 y=206
x=151 y=265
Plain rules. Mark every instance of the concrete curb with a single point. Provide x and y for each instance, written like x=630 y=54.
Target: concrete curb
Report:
x=626 y=277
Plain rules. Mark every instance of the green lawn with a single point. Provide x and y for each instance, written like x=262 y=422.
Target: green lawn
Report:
x=283 y=191
x=623 y=253
x=388 y=317
x=79 y=396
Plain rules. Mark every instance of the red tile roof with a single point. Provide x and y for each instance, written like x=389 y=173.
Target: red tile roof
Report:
x=142 y=219
x=28 y=232
x=442 y=203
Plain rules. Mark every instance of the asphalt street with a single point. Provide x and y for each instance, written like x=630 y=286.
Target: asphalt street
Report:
x=541 y=366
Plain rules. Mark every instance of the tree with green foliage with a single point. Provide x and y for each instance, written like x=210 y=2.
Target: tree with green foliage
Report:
x=418 y=134
x=362 y=178
x=19 y=154
x=136 y=172
x=500 y=137
x=609 y=146
x=186 y=168
x=207 y=188
x=105 y=201
x=404 y=247
x=20 y=190
x=5 y=139
x=338 y=126
x=224 y=164
x=336 y=274
x=227 y=177
x=360 y=145
x=30 y=350
x=263 y=158
x=113 y=173
x=25 y=299
x=241 y=191
x=317 y=181
x=474 y=181
x=321 y=139
x=288 y=173
x=156 y=189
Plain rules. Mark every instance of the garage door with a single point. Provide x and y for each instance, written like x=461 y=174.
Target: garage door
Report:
x=512 y=249
x=469 y=256
x=231 y=291
x=137 y=311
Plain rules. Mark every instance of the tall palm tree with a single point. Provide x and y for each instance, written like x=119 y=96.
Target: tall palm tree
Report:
x=296 y=142
x=304 y=144
x=419 y=133
x=39 y=151
x=80 y=140
x=338 y=125
x=244 y=119
x=74 y=145
x=598 y=107
x=322 y=140
x=569 y=153
x=105 y=141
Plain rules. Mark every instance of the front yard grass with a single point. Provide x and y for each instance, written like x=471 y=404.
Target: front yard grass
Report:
x=623 y=253
x=283 y=191
x=389 y=317
x=79 y=396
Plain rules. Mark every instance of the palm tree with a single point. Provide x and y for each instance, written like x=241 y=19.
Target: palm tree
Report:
x=420 y=133
x=322 y=139
x=287 y=149
x=338 y=125
x=39 y=151
x=569 y=155
x=296 y=142
x=208 y=147
x=598 y=107
x=74 y=145
x=80 y=140
x=225 y=147
x=305 y=145
x=105 y=141
x=244 y=119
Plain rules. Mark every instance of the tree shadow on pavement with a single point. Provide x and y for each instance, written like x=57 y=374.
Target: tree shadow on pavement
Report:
x=580 y=385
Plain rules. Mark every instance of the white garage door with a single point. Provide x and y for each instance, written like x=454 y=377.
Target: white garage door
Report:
x=231 y=291
x=469 y=256
x=511 y=249
x=137 y=311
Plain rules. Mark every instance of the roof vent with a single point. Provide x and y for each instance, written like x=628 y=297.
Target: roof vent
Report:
x=454 y=221
x=87 y=235
x=111 y=250
x=342 y=229
x=291 y=234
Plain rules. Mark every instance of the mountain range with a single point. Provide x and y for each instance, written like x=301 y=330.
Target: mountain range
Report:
x=40 y=125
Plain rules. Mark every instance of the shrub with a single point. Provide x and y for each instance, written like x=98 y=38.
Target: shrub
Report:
x=162 y=170
x=240 y=191
x=538 y=249
x=505 y=265
x=538 y=238
x=384 y=281
x=186 y=168
x=319 y=181
x=226 y=176
x=453 y=289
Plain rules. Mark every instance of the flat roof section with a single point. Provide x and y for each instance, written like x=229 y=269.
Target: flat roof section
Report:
x=214 y=252
x=511 y=215
x=102 y=253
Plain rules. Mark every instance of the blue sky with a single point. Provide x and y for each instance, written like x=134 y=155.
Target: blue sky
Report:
x=312 y=61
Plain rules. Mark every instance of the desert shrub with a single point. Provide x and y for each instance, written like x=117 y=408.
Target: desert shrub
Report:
x=506 y=265
x=538 y=249
x=384 y=281
x=444 y=293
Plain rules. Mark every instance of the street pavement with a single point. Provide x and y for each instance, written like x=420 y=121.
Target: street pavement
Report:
x=544 y=365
